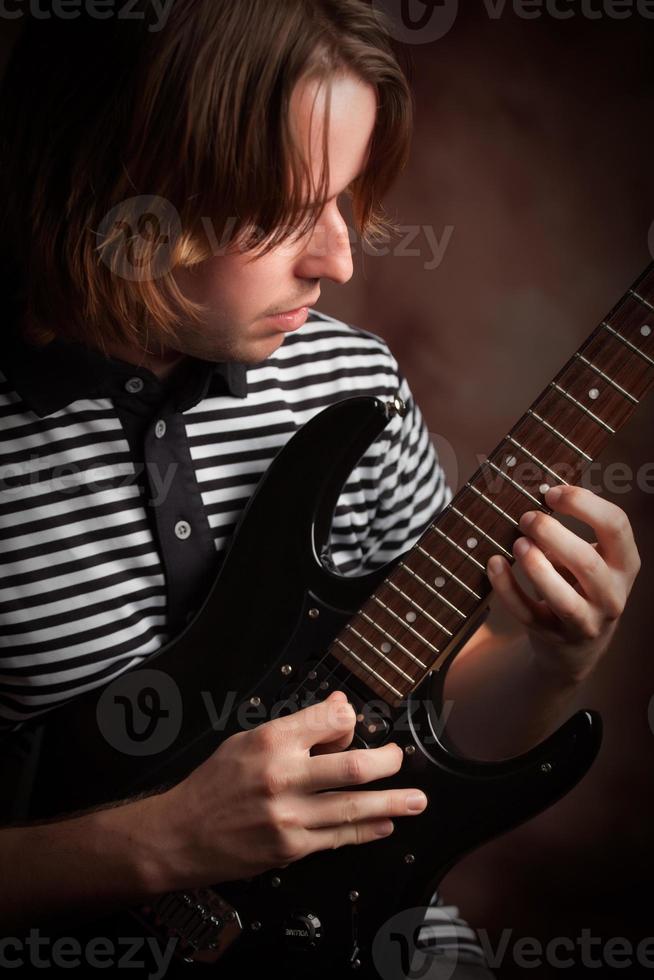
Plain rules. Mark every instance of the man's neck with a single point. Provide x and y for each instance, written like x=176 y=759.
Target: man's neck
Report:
x=164 y=367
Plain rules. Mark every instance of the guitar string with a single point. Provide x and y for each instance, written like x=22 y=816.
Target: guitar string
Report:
x=404 y=633
x=570 y=366
x=496 y=520
x=454 y=565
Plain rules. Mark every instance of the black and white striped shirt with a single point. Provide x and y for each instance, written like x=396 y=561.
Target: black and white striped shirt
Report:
x=119 y=494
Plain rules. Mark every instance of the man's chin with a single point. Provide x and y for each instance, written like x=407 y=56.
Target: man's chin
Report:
x=260 y=350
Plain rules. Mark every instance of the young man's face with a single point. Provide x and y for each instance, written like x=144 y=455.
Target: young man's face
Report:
x=243 y=293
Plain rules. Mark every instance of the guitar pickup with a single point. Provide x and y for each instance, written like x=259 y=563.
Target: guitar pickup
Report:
x=318 y=681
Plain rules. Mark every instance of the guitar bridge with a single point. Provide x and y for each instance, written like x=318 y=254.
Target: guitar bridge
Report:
x=202 y=921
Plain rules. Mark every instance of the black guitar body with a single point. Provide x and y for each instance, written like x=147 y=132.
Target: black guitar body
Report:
x=262 y=634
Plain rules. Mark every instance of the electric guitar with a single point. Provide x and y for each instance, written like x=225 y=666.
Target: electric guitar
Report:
x=281 y=629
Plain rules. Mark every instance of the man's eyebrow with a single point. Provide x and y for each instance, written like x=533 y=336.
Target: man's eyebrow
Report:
x=346 y=188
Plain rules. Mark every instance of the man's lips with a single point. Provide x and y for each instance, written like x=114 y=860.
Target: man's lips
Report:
x=296 y=309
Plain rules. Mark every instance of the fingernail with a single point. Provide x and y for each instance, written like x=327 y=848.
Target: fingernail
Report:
x=496 y=565
x=384 y=829
x=521 y=547
x=416 y=802
x=553 y=494
x=527 y=518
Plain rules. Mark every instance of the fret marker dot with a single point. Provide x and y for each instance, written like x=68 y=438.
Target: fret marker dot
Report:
x=510 y=460
x=544 y=487
x=593 y=393
x=386 y=647
x=439 y=581
x=646 y=330
x=472 y=542
x=410 y=616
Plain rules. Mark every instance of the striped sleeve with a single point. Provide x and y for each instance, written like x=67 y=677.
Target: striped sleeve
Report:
x=413 y=488
x=450 y=941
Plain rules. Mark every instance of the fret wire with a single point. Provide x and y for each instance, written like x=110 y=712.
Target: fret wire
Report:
x=458 y=547
x=641 y=299
x=405 y=624
x=367 y=667
x=431 y=589
x=392 y=639
x=515 y=484
x=561 y=436
x=466 y=554
x=537 y=460
x=491 y=503
x=592 y=415
x=383 y=656
x=628 y=343
x=602 y=374
x=424 y=612
x=482 y=532
x=448 y=572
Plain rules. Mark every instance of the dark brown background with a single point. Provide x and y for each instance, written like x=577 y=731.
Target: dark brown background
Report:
x=534 y=142
x=534 y=145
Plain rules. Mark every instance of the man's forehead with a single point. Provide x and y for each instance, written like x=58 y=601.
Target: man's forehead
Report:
x=353 y=107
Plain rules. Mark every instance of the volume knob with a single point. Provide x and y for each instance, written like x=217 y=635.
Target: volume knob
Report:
x=302 y=930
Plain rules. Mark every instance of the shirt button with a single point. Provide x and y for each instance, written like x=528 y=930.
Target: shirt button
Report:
x=134 y=385
x=183 y=530
x=160 y=429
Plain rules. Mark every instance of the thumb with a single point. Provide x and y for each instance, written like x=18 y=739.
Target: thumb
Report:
x=342 y=741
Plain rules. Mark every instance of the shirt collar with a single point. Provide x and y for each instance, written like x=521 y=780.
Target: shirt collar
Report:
x=51 y=377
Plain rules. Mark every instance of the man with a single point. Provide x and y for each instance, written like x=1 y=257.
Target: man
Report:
x=159 y=374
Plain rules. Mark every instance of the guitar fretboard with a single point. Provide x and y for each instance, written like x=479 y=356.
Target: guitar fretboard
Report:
x=405 y=627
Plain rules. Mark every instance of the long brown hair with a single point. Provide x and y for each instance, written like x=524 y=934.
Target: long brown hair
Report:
x=121 y=140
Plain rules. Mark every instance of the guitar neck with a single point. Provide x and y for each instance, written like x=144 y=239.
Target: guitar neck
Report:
x=409 y=624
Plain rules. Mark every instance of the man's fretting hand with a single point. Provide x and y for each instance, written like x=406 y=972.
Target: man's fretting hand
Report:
x=584 y=586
